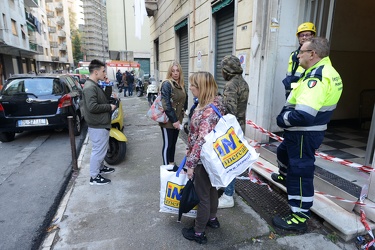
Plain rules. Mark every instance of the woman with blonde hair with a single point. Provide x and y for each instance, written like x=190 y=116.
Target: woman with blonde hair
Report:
x=203 y=121
x=173 y=97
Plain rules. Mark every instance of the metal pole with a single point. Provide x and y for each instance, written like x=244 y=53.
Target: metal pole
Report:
x=72 y=144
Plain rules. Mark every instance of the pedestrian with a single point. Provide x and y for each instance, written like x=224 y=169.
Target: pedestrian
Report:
x=173 y=98
x=125 y=83
x=119 y=78
x=130 y=81
x=97 y=113
x=305 y=32
x=235 y=97
x=304 y=119
x=203 y=121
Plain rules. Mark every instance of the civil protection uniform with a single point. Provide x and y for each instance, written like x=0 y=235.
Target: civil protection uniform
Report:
x=293 y=74
x=304 y=118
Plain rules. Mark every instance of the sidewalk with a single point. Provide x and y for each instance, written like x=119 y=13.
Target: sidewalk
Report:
x=125 y=214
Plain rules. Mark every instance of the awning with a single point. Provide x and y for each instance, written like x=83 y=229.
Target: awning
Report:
x=30 y=27
x=218 y=5
x=180 y=25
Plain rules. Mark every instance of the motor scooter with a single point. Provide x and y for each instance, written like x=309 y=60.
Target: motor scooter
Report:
x=152 y=90
x=139 y=87
x=117 y=139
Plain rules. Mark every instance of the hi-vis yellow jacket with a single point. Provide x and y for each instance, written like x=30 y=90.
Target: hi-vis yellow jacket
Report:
x=310 y=105
x=294 y=71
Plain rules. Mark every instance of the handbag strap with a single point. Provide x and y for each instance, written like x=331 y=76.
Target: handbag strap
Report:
x=182 y=164
x=216 y=110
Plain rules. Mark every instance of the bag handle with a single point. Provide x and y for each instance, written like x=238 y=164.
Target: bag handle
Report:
x=216 y=110
x=182 y=164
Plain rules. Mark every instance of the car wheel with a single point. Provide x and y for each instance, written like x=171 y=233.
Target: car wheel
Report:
x=77 y=125
x=7 y=136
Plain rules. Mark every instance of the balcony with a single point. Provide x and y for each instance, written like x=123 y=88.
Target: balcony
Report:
x=54 y=45
x=59 y=6
x=61 y=33
x=63 y=59
x=62 y=47
x=52 y=29
x=151 y=7
x=50 y=14
x=31 y=3
x=60 y=20
x=55 y=58
x=36 y=48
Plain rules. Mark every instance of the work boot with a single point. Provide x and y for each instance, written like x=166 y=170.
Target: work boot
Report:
x=291 y=222
x=226 y=201
x=279 y=178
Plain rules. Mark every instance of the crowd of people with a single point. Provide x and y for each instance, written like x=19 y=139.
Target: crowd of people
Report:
x=312 y=88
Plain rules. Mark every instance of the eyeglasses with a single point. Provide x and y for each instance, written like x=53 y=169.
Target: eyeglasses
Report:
x=304 y=35
x=303 y=51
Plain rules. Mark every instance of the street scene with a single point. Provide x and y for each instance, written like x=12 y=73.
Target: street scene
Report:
x=262 y=103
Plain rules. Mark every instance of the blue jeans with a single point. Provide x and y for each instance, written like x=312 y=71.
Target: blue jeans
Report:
x=229 y=190
x=131 y=86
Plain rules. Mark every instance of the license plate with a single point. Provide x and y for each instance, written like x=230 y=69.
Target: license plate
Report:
x=32 y=122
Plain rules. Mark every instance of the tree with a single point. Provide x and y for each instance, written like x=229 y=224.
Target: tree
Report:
x=76 y=46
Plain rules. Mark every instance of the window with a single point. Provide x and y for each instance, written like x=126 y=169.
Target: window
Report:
x=14 y=28
x=5 y=22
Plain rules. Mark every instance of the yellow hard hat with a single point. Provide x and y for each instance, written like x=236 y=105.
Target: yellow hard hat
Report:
x=306 y=27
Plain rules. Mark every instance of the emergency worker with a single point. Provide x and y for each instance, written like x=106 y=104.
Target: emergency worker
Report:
x=305 y=32
x=304 y=119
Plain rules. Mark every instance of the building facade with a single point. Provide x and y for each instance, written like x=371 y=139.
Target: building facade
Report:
x=34 y=37
x=124 y=21
x=95 y=30
x=262 y=34
x=16 y=50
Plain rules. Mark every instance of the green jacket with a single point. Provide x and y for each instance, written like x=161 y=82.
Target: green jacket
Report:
x=95 y=106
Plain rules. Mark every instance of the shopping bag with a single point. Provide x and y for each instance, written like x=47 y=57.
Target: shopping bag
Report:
x=225 y=153
x=156 y=111
x=188 y=199
x=171 y=184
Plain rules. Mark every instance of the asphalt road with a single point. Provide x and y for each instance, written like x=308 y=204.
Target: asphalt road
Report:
x=34 y=171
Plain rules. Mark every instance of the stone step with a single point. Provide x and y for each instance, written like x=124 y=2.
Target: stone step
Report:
x=339 y=216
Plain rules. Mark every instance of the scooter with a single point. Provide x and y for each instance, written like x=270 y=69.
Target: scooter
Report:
x=152 y=90
x=117 y=139
x=139 y=88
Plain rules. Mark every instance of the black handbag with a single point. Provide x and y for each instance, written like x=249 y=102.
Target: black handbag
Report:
x=188 y=198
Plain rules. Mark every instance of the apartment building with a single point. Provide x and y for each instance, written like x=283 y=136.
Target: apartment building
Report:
x=17 y=51
x=59 y=56
x=34 y=37
x=95 y=30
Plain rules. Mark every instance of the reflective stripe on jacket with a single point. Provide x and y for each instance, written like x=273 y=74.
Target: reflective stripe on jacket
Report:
x=310 y=105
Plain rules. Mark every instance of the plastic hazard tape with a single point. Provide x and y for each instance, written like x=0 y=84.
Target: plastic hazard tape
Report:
x=359 y=203
x=347 y=163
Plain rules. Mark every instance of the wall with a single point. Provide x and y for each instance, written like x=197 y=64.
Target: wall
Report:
x=121 y=33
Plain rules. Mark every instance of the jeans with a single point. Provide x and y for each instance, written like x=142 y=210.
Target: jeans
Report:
x=229 y=190
x=131 y=86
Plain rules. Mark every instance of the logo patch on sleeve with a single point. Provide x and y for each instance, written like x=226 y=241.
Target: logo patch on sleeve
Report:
x=312 y=83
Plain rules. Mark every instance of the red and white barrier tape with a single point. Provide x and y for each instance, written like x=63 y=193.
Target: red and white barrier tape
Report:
x=347 y=163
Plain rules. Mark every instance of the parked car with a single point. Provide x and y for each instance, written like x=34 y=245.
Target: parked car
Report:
x=80 y=78
x=38 y=102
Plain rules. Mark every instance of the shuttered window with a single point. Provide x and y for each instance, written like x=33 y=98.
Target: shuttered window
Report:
x=224 y=39
x=184 y=54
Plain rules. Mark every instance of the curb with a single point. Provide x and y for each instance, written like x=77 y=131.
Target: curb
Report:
x=50 y=239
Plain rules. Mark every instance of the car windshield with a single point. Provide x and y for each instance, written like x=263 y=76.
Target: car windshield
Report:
x=36 y=86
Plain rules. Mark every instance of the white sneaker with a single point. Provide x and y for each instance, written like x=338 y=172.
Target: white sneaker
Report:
x=226 y=201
